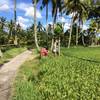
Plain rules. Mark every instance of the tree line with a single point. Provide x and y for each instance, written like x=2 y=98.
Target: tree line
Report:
x=81 y=10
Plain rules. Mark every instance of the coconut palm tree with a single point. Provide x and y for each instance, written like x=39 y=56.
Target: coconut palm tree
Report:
x=71 y=27
x=2 y=23
x=77 y=8
x=58 y=32
x=56 y=6
x=45 y=3
x=11 y=29
x=40 y=27
x=94 y=11
x=35 y=30
x=15 y=12
x=15 y=37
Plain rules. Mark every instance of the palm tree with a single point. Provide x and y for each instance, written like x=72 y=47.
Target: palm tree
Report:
x=45 y=3
x=77 y=8
x=35 y=30
x=40 y=27
x=71 y=27
x=11 y=29
x=41 y=33
x=94 y=30
x=2 y=23
x=82 y=37
x=58 y=33
x=56 y=5
x=15 y=38
x=15 y=12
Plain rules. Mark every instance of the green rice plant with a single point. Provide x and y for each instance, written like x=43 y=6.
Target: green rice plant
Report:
x=59 y=78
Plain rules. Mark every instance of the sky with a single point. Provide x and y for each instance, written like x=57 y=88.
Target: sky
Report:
x=25 y=12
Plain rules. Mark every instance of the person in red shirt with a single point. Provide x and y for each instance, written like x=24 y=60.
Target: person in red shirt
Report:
x=44 y=52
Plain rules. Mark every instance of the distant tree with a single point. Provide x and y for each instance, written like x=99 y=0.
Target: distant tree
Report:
x=58 y=31
x=11 y=29
x=3 y=33
x=2 y=23
x=56 y=7
x=40 y=27
x=78 y=9
x=94 y=30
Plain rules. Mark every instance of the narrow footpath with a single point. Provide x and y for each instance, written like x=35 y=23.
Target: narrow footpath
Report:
x=8 y=72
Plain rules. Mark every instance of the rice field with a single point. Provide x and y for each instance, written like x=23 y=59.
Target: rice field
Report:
x=66 y=77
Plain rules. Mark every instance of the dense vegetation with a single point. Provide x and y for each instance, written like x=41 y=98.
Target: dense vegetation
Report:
x=60 y=78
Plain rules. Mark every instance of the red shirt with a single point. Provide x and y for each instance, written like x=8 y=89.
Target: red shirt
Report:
x=44 y=52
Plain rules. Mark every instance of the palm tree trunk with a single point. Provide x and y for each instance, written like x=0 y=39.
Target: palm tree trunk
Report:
x=35 y=32
x=52 y=44
x=15 y=37
x=47 y=22
x=70 y=35
x=9 y=35
x=77 y=35
x=47 y=34
x=1 y=54
x=92 y=43
x=83 y=40
x=59 y=46
x=15 y=12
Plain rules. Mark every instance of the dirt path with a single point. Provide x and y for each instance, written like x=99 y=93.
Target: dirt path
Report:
x=8 y=72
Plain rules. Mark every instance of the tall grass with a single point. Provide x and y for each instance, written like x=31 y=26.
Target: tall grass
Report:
x=10 y=54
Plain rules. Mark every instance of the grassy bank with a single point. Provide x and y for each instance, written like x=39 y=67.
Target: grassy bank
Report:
x=10 y=54
x=59 y=78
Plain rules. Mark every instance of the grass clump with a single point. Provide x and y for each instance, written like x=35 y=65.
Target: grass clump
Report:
x=10 y=54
